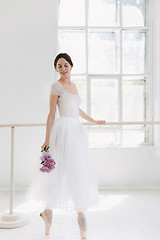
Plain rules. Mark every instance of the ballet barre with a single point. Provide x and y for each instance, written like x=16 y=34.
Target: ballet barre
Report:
x=85 y=123
x=128 y=123
x=12 y=219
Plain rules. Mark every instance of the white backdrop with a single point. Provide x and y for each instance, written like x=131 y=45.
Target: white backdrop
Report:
x=28 y=47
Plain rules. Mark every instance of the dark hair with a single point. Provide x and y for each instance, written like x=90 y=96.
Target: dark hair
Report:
x=63 y=55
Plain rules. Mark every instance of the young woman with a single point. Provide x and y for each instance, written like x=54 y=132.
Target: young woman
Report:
x=72 y=180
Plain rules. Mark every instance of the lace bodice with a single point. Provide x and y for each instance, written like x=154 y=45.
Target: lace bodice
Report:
x=68 y=103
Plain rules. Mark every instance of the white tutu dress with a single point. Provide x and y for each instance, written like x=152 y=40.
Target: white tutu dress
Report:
x=72 y=184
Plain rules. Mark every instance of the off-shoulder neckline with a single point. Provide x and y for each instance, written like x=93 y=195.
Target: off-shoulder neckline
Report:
x=65 y=90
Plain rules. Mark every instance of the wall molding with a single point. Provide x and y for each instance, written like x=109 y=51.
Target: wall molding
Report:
x=101 y=188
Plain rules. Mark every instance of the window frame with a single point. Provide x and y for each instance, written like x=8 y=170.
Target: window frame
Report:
x=120 y=75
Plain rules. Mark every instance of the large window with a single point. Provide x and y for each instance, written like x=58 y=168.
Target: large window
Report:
x=109 y=42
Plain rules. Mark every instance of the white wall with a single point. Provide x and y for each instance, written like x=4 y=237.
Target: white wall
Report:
x=28 y=40
x=28 y=46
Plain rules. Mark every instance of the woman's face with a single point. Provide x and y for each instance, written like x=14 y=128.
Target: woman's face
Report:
x=63 y=67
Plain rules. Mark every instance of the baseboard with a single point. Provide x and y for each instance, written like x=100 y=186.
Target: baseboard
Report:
x=129 y=187
x=16 y=189
x=100 y=187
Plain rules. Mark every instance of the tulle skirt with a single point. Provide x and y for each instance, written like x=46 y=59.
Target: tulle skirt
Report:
x=72 y=184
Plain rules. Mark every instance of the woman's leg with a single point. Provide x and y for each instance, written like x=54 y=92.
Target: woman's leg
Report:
x=82 y=224
x=47 y=217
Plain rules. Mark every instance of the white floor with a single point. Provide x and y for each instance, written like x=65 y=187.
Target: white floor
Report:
x=120 y=215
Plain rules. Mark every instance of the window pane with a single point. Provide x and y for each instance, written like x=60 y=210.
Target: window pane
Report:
x=103 y=52
x=134 y=99
x=134 y=52
x=102 y=138
x=72 y=13
x=103 y=12
x=134 y=13
x=73 y=43
x=104 y=99
x=126 y=137
x=80 y=82
x=134 y=137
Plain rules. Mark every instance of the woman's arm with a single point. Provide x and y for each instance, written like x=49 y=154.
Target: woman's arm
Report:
x=85 y=116
x=88 y=118
x=50 y=119
x=51 y=115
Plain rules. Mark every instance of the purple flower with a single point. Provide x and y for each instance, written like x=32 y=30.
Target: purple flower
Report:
x=48 y=163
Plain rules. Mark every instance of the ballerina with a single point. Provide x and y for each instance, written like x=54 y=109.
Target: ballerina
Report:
x=73 y=177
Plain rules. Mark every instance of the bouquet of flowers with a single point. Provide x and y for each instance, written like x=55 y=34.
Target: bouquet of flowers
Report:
x=48 y=163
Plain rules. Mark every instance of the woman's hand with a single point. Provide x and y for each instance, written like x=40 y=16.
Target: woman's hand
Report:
x=45 y=145
x=100 y=122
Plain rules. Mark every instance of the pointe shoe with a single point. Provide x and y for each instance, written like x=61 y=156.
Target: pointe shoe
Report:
x=82 y=227
x=47 y=221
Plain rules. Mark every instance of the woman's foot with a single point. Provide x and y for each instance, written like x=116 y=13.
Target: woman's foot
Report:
x=46 y=215
x=82 y=226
